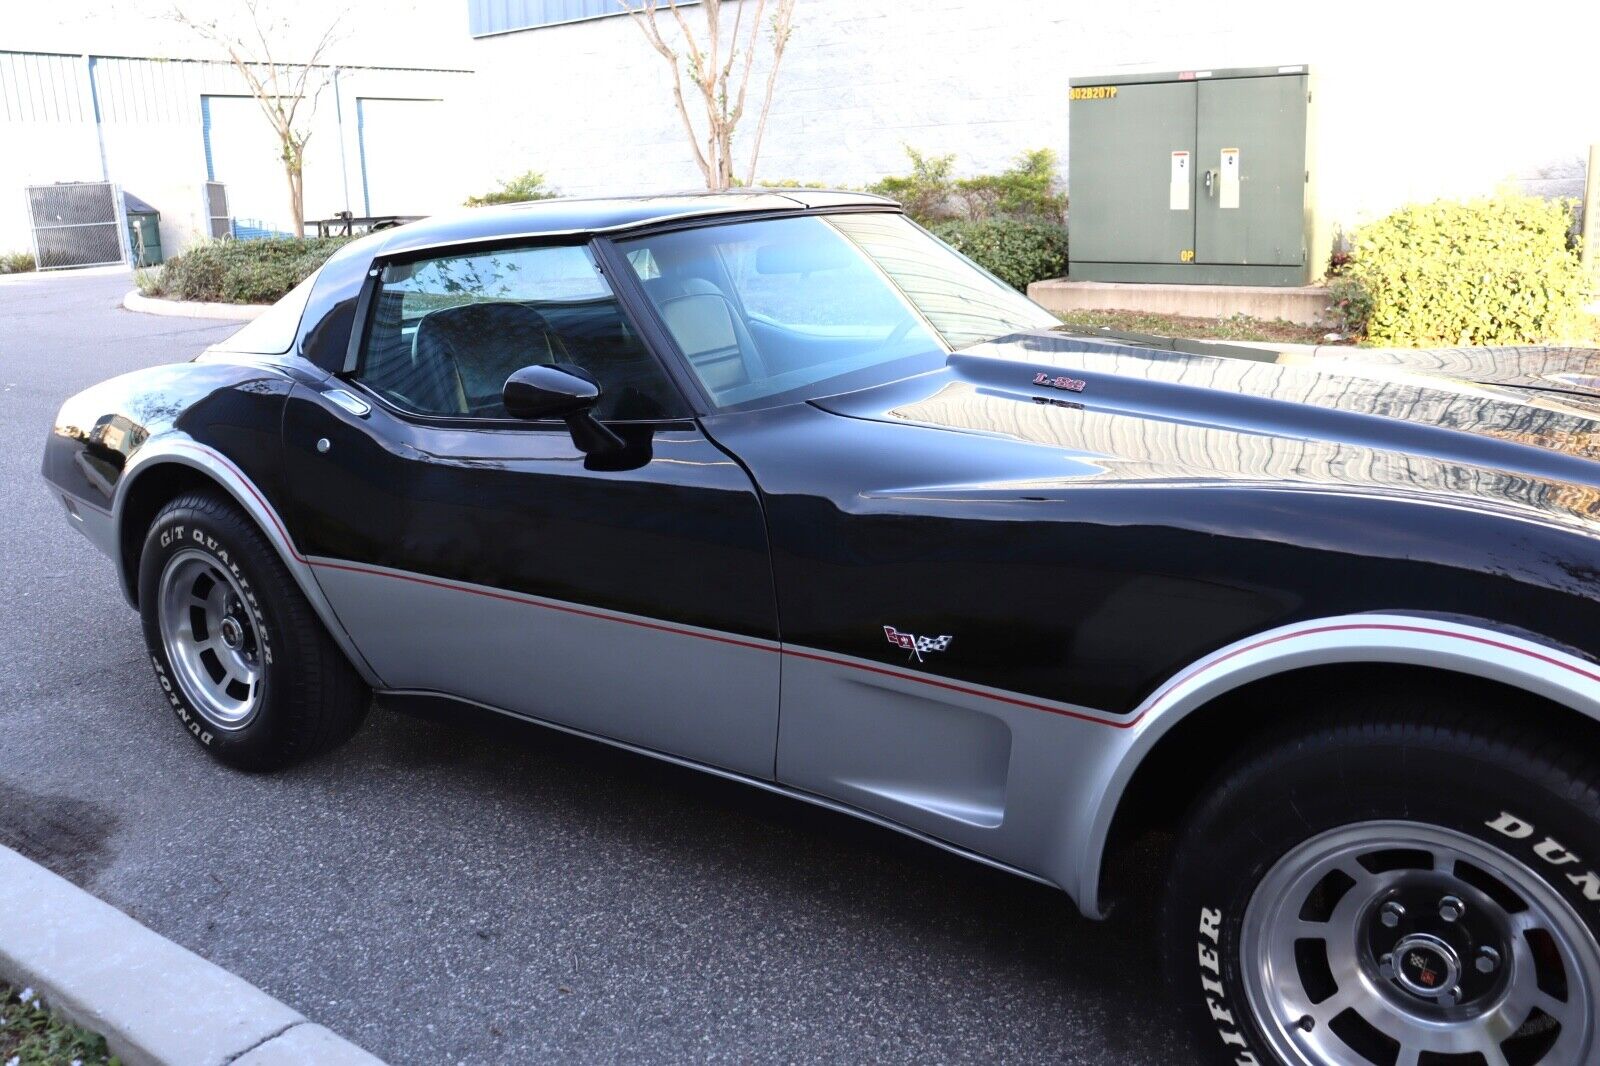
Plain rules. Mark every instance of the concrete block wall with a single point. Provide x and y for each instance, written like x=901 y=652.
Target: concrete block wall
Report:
x=861 y=79
x=1412 y=102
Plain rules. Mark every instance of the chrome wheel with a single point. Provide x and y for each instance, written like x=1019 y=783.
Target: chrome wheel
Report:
x=1401 y=943
x=211 y=639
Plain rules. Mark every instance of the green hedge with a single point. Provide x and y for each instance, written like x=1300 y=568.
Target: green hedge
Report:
x=529 y=185
x=243 y=272
x=1015 y=251
x=16 y=262
x=1490 y=271
x=1026 y=190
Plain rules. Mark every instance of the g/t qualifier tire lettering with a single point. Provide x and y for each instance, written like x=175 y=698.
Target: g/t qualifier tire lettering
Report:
x=1211 y=984
x=189 y=720
x=1215 y=993
x=310 y=698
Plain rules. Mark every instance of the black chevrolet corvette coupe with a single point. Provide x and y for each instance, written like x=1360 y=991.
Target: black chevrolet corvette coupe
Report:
x=780 y=487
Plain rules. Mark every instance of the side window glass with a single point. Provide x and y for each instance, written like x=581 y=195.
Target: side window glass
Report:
x=445 y=334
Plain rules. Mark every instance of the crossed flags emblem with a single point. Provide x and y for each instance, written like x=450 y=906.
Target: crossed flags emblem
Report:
x=914 y=644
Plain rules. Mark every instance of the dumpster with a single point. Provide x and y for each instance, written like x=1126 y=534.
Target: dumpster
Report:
x=144 y=231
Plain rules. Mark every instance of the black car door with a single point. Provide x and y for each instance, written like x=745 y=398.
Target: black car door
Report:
x=468 y=553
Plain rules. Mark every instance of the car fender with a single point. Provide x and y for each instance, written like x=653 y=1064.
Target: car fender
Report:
x=181 y=449
x=1468 y=647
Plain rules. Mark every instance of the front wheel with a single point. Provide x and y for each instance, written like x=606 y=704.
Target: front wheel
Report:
x=1394 y=892
x=242 y=660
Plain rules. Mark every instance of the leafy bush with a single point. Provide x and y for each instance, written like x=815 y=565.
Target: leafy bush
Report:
x=1025 y=190
x=931 y=193
x=529 y=185
x=926 y=192
x=1014 y=250
x=788 y=183
x=16 y=262
x=242 y=272
x=33 y=1033
x=148 y=281
x=1489 y=271
x=1352 y=305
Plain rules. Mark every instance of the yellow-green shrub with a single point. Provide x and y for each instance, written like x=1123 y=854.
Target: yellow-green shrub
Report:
x=1490 y=271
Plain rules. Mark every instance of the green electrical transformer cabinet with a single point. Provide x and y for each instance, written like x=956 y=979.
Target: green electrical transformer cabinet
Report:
x=1200 y=177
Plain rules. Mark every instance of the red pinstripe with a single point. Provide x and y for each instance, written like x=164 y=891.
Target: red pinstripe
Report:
x=921 y=679
x=511 y=597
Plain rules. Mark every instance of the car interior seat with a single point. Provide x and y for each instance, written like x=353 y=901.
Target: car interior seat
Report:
x=711 y=334
x=461 y=356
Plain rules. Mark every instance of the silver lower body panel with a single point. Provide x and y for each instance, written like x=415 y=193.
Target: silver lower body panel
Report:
x=705 y=696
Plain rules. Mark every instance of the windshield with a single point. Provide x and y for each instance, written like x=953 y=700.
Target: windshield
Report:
x=788 y=308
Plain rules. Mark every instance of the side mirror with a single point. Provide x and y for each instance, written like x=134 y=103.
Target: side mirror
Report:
x=564 y=391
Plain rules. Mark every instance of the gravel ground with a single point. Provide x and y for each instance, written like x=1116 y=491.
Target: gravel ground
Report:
x=478 y=892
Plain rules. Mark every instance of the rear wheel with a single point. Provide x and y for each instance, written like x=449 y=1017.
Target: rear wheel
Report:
x=241 y=658
x=1389 y=891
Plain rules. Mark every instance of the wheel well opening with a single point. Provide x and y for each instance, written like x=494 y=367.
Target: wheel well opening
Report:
x=1185 y=763
x=146 y=496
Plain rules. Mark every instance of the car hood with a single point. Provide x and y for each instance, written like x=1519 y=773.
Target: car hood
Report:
x=1133 y=412
x=1569 y=371
x=1547 y=368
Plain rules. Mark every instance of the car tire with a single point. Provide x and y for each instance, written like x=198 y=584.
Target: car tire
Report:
x=1393 y=886
x=242 y=660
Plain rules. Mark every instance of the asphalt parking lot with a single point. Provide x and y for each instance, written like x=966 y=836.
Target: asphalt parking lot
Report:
x=485 y=893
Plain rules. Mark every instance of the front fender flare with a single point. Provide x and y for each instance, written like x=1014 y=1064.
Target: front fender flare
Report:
x=1466 y=647
x=185 y=451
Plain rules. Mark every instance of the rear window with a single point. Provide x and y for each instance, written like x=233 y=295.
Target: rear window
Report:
x=274 y=330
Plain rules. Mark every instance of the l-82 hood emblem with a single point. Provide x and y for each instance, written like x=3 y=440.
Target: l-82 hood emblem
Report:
x=914 y=644
x=1060 y=381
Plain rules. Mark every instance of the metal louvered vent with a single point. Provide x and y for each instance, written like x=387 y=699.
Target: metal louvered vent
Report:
x=219 y=223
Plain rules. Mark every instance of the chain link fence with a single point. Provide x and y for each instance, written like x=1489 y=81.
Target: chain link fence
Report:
x=77 y=224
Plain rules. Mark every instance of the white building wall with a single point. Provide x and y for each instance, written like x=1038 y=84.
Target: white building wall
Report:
x=46 y=134
x=1413 y=101
x=154 y=146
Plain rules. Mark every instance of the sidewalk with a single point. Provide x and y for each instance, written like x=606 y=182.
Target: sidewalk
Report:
x=153 y=1001
x=25 y=276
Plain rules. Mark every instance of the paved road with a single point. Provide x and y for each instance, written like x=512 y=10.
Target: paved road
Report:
x=463 y=892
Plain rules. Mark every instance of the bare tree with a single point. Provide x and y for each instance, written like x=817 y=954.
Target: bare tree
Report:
x=286 y=91
x=720 y=72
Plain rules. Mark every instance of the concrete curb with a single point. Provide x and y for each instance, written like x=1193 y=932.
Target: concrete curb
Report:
x=1306 y=305
x=149 y=305
x=155 y=1003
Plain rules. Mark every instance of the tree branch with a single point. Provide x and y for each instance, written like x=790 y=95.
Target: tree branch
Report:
x=736 y=112
x=280 y=89
x=644 y=17
x=782 y=27
x=720 y=70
